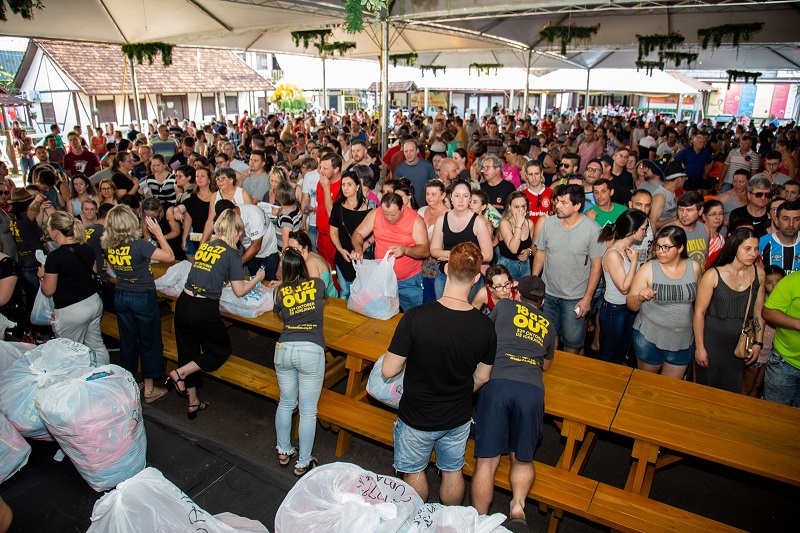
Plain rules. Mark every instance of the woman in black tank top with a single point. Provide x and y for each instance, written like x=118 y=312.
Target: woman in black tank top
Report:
x=457 y=226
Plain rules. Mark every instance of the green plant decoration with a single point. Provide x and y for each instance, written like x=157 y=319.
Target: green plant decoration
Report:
x=340 y=47
x=485 y=68
x=308 y=36
x=648 y=43
x=678 y=57
x=23 y=8
x=408 y=60
x=432 y=68
x=567 y=34
x=649 y=66
x=734 y=75
x=354 y=13
x=149 y=51
x=735 y=32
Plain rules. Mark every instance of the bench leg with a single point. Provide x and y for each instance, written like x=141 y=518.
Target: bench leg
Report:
x=555 y=520
x=574 y=432
x=643 y=467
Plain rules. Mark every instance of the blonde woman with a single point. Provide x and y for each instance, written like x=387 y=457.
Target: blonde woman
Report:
x=67 y=276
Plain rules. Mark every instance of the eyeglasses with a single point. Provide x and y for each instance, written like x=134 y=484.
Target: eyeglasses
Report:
x=762 y=194
x=595 y=170
x=664 y=247
x=105 y=188
x=504 y=287
x=5 y=193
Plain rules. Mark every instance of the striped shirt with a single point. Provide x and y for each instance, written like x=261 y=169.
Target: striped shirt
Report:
x=739 y=161
x=775 y=253
x=163 y=192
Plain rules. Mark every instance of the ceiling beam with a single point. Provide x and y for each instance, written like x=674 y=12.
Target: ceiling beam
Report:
x=207 y=13
x=111 y=18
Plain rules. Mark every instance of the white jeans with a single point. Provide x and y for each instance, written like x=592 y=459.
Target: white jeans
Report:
x=80 y=322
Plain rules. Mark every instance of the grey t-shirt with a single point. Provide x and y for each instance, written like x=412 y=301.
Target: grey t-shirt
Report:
x=302 y=309
x=521 y=349
x=569 y=256
x=215 y=264
x=697 y=243
x=131 y=263
x=419 y=175
x=257 y=186
x=670 y=203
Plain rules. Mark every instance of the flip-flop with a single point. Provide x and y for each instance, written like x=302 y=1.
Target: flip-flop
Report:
x=155 y=394
x=302 y=471
x=285 y=458
x=516 y=525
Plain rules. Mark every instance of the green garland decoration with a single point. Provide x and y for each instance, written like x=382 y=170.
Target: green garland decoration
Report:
x=308 y=36
x=734 y=75
x=340 y=47
x=149 y=51
x=432 y=68
x=23 y=8
x=648 y=43
x=678 y=57
x=649 y=66
x=485 y=68
x=735 y=32
x=408 y=60
x=567 y=34
x=354 y=13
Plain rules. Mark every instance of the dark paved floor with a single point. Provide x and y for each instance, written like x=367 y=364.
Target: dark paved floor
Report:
x=230 y=461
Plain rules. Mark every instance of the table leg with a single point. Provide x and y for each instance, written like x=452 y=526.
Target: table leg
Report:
x=355 y=366
x=640 y=478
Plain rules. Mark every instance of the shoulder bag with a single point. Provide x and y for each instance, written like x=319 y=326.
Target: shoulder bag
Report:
x=748 y=334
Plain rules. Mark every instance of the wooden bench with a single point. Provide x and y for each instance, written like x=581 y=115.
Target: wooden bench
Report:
x=632 y=513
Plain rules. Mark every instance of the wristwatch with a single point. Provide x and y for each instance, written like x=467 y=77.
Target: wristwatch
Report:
x=758 y=343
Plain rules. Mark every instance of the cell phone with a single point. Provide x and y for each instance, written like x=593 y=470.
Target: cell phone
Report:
x=263 y=267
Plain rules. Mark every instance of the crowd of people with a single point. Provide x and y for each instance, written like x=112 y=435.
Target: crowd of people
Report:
x=631 y=239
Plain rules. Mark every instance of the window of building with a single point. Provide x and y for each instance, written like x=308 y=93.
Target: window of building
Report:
x=106 y=111
x=48 y=113
x=231 y=104
x=209 y=109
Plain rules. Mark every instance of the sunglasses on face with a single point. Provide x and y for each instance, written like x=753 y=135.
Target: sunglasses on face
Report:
x=762 y=194
x=5 y=193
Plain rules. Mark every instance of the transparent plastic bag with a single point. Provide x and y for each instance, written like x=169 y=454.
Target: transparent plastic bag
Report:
x=148 y=502
x=438 y=518
x=374 y=291
x=255 y=303
x=174 y=279
x=14 y=450
x=12 y=351
x=345 y=498
x=44 y=310
x=388 y=391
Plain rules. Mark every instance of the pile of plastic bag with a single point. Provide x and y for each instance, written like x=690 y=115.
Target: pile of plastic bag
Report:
x=95 y=416
x=174 y=279
x=387 y=391
x=11 y=351
x=255 y=303
x=438 y=518
x=14 y=450
x=149 y=502
x=36 y=370
x=374 y=291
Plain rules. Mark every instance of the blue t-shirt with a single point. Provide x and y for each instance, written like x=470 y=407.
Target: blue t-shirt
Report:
x=774 y=253
x=695 y=163
x=419 y=175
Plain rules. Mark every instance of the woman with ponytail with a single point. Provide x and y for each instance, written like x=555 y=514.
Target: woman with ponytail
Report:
x=620 y=263
x=67 y=276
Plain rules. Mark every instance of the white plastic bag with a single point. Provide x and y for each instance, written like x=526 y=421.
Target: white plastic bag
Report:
x=388 y=391
x=11 y=351
x=174 y=279
x=5 y=324
x=148 y=502
x=14 y=450
x=43 y=312
x=374 y=291
x=39 y=368
x=253 y=304
x=438 y=518
x=343 y=497
x=96 y=417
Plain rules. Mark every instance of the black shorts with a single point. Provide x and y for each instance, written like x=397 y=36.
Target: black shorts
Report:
x=510 y=418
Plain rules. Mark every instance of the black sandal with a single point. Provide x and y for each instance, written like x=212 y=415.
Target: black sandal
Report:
x=174 y=383
x=285 y=458
x=302 y=471
x=202 y=406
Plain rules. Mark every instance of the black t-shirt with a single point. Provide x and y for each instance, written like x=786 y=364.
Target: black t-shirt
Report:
x=215 y=264
x=198 y=211
x=94 y=232
x=623 y=185
x=301 y=306
x=346 y=221
x=27 y=234
x=73 y=264
x=442 y=348
x=122 y=181
x=760 y=224
x=498 y=193
x=14 y=309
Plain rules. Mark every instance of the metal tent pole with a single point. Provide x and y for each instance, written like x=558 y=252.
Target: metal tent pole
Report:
x=134 y=86
x=384 y=129
x=527 y=84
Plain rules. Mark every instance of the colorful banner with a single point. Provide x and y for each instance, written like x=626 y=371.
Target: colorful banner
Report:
x=731 y=105
x=435 y=98
x=716 y=99
x=763 y=100
x=747 y=100
x=780 y=97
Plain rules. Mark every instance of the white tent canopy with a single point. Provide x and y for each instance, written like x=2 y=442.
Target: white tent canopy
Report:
x=608 y=80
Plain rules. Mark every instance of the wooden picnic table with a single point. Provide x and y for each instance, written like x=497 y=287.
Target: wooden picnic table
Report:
x=731 y=429
x=583 y=392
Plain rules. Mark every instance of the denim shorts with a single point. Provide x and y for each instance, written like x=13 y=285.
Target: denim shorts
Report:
x=651 y=354
x=412 y=448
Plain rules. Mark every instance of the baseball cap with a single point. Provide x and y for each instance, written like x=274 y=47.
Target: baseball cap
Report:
x=536 y=142
x=221 y=206
x=439 y=147
x=521 y=133
x=531 y=287
x=674 y=170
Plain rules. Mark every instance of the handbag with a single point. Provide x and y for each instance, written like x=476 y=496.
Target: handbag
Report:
x=748 y=335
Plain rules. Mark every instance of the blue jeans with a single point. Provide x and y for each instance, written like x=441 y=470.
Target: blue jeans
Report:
x=561 y=314
x=300 y=369
x=616 y=322
x=312 y=233
x=410 y=292
x=25 y=164
x=270 y=266
x=440 y=280
x=191 y=248
x=781 y=381
x=725 y=186
x=412 y=448
x=518 y=269
x=344 y=285
x=428 y=291
x=140 y=332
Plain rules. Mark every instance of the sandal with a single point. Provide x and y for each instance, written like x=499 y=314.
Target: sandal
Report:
x=175 y=383
x=284 y=459
x=154 y=394
x=191 y=413
x=302 y=471
x=516 y=525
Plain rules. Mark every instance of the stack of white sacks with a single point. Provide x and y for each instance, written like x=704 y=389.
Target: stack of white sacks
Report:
x=58 y=391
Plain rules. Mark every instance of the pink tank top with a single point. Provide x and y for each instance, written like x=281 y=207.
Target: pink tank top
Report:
x=401 y=233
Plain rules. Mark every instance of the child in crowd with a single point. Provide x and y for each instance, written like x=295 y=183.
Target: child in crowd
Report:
x=753 y=382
